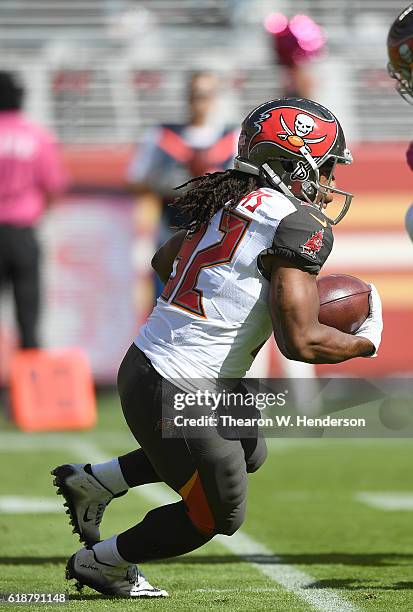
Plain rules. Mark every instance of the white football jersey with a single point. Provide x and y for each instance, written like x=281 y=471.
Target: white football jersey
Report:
x=213 y=314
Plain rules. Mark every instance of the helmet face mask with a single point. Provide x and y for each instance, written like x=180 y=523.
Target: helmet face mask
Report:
x=400 y=51
x=290 y=142
x=327 y=194
x=404 y=86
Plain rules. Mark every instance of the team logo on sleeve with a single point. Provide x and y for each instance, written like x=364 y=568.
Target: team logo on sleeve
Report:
x=293 y=129
x=313 y=245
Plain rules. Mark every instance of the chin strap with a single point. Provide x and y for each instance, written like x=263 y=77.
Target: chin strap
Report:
x=265 y=172
x=274 y=179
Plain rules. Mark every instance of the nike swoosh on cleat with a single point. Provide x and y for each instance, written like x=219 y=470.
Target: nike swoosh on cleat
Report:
x=323 y=222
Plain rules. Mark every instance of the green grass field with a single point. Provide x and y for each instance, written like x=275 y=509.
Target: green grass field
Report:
x=310 y=542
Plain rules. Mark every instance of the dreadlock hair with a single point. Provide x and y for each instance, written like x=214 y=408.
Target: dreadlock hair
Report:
x=208 y=194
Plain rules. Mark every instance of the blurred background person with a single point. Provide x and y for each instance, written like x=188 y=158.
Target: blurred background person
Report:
x=173 y=154
x=30 y=177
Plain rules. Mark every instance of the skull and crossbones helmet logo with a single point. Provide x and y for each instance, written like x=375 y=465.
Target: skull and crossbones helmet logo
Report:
x=298 y=136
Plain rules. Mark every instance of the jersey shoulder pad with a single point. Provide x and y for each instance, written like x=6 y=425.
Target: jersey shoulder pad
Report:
x=305 y=238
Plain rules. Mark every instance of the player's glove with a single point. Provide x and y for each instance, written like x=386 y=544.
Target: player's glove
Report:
x=409 y=155
x=373 y=325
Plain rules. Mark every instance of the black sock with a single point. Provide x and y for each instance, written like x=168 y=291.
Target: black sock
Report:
x=137 y=469
x=164 y=532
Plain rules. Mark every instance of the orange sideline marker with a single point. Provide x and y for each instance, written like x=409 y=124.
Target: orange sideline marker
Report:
x=52 y=390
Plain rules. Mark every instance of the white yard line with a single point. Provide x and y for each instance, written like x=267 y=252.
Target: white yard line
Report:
x=294 y=580
x=28 y=442
x=20 y=504
x=386 y=500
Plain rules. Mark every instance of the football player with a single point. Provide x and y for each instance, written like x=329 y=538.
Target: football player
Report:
x=243 y=265
x=400 y=67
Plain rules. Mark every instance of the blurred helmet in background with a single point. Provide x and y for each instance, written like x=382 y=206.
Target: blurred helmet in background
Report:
x=400 y=50
x=291 y=141
x=296 y=40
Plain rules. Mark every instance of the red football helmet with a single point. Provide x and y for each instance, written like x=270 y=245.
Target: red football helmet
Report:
x=287 y=142
x=400 y=50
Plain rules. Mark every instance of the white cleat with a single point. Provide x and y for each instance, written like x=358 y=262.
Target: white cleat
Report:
x=86 y=499
x=115 y=580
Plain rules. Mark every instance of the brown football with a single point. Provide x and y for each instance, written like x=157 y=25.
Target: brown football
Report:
x=344 y=301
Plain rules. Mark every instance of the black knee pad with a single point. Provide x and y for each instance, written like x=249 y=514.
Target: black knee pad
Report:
x=230 y=505
x=231 y=519
x=255 y=453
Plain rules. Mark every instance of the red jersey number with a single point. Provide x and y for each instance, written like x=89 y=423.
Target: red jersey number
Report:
x=187 y=295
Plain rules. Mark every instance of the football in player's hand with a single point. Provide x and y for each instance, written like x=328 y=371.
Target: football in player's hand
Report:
x=344 y=301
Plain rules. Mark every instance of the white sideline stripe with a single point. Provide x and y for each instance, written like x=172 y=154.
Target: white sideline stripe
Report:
x=19 y=504
x=387 y=501
x=291 y=579
x=360 y=251
x=20 y=442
